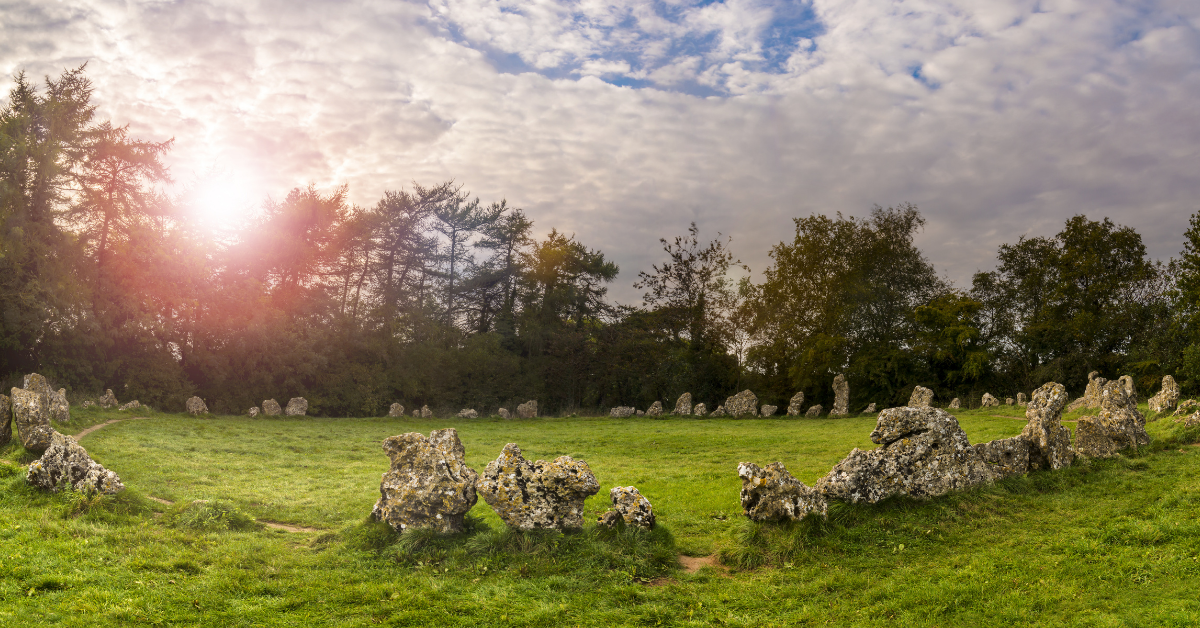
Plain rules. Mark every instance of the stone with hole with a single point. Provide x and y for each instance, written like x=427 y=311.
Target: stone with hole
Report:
x=1049 y=440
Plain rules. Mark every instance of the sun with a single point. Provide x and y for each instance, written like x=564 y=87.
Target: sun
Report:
x=224 y=199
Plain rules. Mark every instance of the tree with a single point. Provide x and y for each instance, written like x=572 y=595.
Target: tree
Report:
x=458 y=219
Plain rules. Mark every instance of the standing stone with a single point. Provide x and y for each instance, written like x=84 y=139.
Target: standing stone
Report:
x=428 y=485
x=622 y=412
x=504 y=413
x=921 y=397
x=87 y=403
x=870 y=408
x=769 y=410
x=528 y=410
x=700 y=409
x=538 y=496
x=6 y=420
x=640 y=413
x=1118 y=426
x=271 y=408
x=1167 y=398
x=66 y=462
x=955 y=404
x=396 y=410
x=1130 y=390
x=1022 y=400
x=297 y=406
x=468 y=413
x=720 y=411
x=132 y=405
x=31 y=414
x=683 y=405
x=1008 y=401
x=109 y=400
x=796 y=405
x=814 y=411
x=773 y=494
x=1006 y=456
x=252 y=412
x=195 y=405
x=655 y=409
x=417 y=412
x=989 y=401
x=742 y=404
x=841 y=396
x=628 y=506
x=1091 y=395
x=426 y=412
x=923 y=452
x=56 y=400
x=1049 y=440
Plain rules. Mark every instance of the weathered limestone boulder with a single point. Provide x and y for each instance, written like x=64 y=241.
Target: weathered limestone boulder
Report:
x=773 y=494
x=87 y=403
x=955 y=404
x=1167 y=398
x=768 y=410
x=540 y=495
x=921 y=397
x=1190 y=406
x=31 y=414
x=426 y=412
x=720 y=411
x=841 y=396
x=504 y=413
x=1191 y=420
x=870 y=408
x=297 y=406
x=640 y=413
x=66 y=462
x=467 y=413
x=1091 y=394
x=622 y=412
x=700 y=409
x=428 y=484
x=56 y=400
x=527 y=410
x=814 y=411
x=6 y=420
x=396 y=410
x=1008 y=401
x=417 y=412
x=742 y=404
x=195 y=405
x=1022 y=400
x=683 y=405
x=989 y=401
x=923 y=453
x=252 y=412
x=109 y=400
x=132 y=405
x=271 y=407
x=655 y=409
x=1006 y=456
x=628 y=506
x=1127 y=384
x=1118 y=426
x=1049 y=440
x=796 y=404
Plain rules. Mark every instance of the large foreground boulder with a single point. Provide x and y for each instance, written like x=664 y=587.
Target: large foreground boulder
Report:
x=527 y=410
x=683 y=405
x=796 y=404
x=195 y=405
x=1118 y=426
x=923 y=453
x=841 y=396
x=64 y=463
x=540 y=495
x=1167 y=398
x=271 y=408
x=31 y=414
x=6 y=420
x=628 y=507
x=428 y=484
x=773 y=494
x=921 y=397
x=744 y=403
x=297 y=406
x=1049 y=440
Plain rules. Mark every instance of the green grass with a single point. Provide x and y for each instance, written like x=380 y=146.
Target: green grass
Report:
x=1110 y=543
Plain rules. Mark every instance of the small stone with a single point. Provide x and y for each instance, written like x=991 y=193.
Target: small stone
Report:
x=109 y=400
x=773 y=494
x=540 y=495
x=87 y=403
x=396 y=410
x=814 y=411
x=720 y=411
x=195 y=405
x=1119 y=425
x=31 y=415
x=795 y=406
x=1189 y=421
x=622 y=412
x=132 y=405
x=1007 y=456
x=428 y=485
x=504 y=413
x=640 y=413
x=742 y=404
x=252 y=412
x=527 y=410
x=1049 y=440
x=683 y=405
x=628 y=506
x=426 y=412
x=1008 y=401
x=955 y=404
x=870 y=408
x=989 y=401
x=700 y=409
x=1168 y=398
x=841 y=396
x=468 y=413
x=297 y=406
x=66 y=462
x=6 y=420
x=1022 y=400
x=1191 y=406
x=655 y=409
x=921 y=397
x=768 y=410
x=270 y=407
x=417 y=412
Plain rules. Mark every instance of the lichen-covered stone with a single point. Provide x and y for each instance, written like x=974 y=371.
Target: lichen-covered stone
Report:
x=1190 y=406
x=504 y=413
x=65 y=462
x=655 y=409
x=528 y=410
x=773 y=494
x=870 y=408
x=955 y=404
x=700 y=409
x=720 y=411
x=195 y=405
x=641 y=413
x=744 y=403
x=1168 y=398
x=417 y=412
x=989 y=401
x=622 y=412
x=921 y=397
x=923 y=453
x=271 y=407
x=540 y=495
x=814 y=411
x=396 y=410
x=1118 y=426
x=796 y=404
x=1091 y=394
x=1049 y=440
x=57 y=408
x=297 y=406
x=132 y=405
x=6 y=420
x=1191 y=420
x=1022 y=400
x=841 y=396
x=1129 y=388
x=1006 y=456
x=31 y=415
x=109 y=400
x=428 y=485
x=768 y=410
x=252 y=412
x=628 y=506
x=683 y=405
x=467 y=413
x=1008 y=401
x=426 y=412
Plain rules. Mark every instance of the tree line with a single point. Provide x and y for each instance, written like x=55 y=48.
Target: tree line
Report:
x=432 y=297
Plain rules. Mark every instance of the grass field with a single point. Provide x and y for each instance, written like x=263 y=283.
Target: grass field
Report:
x=1110 y=543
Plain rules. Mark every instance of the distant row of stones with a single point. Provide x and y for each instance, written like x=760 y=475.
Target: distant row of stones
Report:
x=527 y=410
x=296 y=406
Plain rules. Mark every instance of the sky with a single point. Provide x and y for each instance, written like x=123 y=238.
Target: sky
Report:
x=622 y=122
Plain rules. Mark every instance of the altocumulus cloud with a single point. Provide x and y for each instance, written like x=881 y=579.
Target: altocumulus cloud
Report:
x=623 y=121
